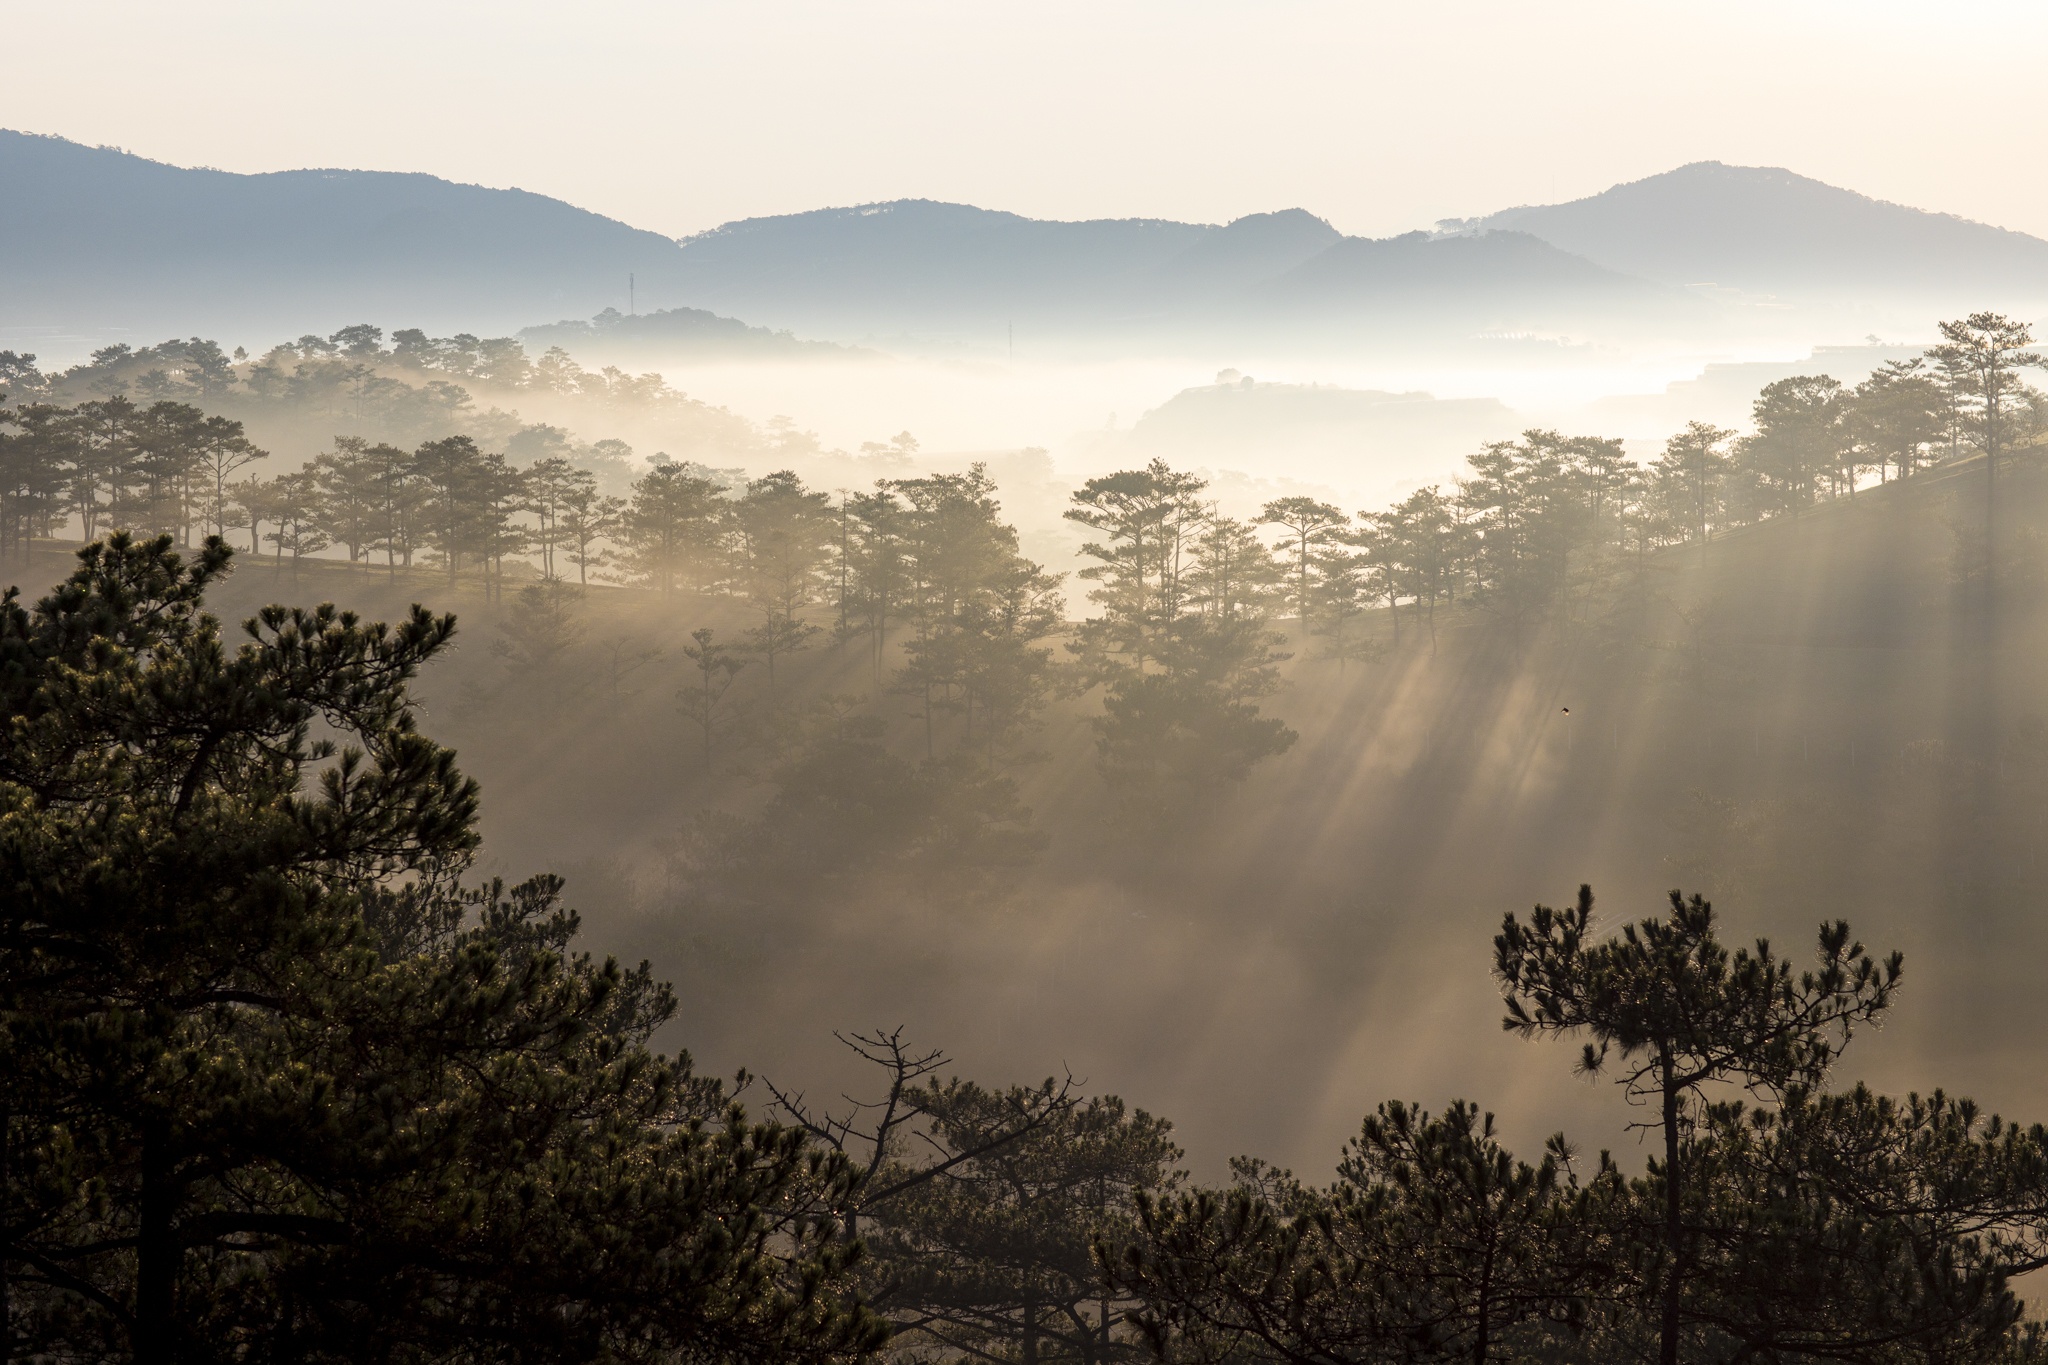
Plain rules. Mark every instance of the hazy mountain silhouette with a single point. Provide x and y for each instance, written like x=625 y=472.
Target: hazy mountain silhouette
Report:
x=1768 y=230
x=917 y=265
x=96 y=240
x=1246 y=252
x=1498 y=281
x=98 y=243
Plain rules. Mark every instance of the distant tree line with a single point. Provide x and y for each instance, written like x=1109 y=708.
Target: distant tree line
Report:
x=1535 y=523
x=1530 y=520
x=354 y=356
x=415 y=389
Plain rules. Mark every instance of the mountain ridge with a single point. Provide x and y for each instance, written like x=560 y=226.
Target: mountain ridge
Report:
x=98 y=237
x=1767 y=228
x=100 y=242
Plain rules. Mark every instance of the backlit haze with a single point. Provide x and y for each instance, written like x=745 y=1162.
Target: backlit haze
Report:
x=1351 y=964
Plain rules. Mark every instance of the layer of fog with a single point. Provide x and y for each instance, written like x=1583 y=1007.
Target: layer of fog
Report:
x=1267 y=426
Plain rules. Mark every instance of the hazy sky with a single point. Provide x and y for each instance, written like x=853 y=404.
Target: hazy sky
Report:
x=676 y=116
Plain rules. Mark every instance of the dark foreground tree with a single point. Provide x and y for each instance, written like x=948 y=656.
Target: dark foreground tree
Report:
x=980 y=1204
x=278 y=1089
x=1858 y=1227
x=1434 y=1244
x=1677 y=1014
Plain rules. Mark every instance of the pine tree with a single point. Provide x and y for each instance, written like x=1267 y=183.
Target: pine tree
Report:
x=1432 y=547
x=716 y=667
x=551 y=485
x=279 y=1088
x=673 y=531
x=1310 y=525
x=1896 y=415
x=102 y=461
x=351 y=484
x=588 y=518
x=1435 y=1244
x=501 y=496
x=454 y=488
x=1982 y=355
x=1801 y=440
x=783 y=536
x=1677 y=1014
x=1148 y=520
x=877 y=567
x=978 y=609
x=1694 y=467
x=1235 y=577
x=401 y=499
x=540 y=639
x=996 y=1246
x=169 y=440
x=224 y=452
x=34 y=466
x=294 y=504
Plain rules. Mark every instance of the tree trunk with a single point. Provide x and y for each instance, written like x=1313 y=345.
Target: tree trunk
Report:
x=1990 y=497
x=156 y=1252
x=1674 y=1230
x=6 y=1239
x=708 y=702
x=1028 y=1352
x=1482 y=1344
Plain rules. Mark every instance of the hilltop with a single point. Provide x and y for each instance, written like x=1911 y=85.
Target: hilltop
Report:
x=1767 y=230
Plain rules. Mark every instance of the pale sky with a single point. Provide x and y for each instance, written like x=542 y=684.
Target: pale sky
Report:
x=676 y=116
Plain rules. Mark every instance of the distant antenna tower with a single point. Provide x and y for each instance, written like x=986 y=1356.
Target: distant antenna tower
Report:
x=631 y=309
x=1012 y=327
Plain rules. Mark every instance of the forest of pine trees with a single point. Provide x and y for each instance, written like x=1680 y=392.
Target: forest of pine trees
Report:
x=1529 y=522
x=288 y=1079
x=1189 y=602
x=285 y=1081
